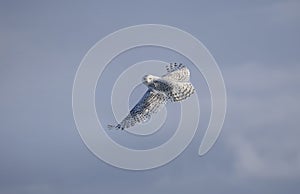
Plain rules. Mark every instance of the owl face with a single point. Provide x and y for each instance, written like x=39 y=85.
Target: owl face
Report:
x=148 y=79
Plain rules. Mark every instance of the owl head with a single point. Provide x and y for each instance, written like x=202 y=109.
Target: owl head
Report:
x=148 y=79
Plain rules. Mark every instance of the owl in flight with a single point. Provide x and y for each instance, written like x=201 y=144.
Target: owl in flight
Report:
x=171 y=87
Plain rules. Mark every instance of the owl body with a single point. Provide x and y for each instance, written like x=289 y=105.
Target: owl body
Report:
x=159 y=84
x=171 y=87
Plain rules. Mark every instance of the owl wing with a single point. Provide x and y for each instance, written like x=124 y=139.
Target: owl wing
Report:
x=177 y=72
x=151 y=102
x=181 y=91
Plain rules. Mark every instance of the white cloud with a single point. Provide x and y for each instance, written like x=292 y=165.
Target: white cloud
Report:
x=264 y=109
x=251 y=161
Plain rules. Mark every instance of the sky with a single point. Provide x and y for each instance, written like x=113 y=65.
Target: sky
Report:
x=255 y=43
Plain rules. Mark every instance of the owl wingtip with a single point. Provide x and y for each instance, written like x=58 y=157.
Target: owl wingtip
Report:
x=110 y=127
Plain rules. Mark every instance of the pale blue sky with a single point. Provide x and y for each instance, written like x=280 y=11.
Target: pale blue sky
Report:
x=256 y=44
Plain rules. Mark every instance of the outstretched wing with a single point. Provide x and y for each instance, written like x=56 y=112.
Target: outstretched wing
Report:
x=150 y=103
x=177 y=72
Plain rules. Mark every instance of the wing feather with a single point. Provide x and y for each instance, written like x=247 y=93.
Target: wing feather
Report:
x=181 y=91
x=177 y=72
x=150 y=103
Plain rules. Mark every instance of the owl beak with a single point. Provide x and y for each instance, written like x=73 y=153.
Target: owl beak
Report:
x=145 y=80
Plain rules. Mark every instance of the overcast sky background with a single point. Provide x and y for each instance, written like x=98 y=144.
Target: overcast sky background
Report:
x=256 y=44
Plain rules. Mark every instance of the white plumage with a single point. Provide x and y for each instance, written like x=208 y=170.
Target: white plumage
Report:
x=171 y=87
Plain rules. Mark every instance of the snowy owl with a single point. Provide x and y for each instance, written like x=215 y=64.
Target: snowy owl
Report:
x=171 y=87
